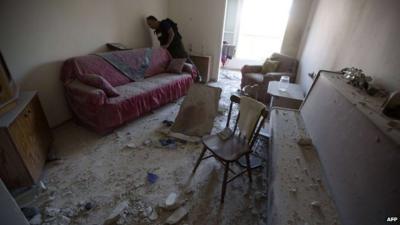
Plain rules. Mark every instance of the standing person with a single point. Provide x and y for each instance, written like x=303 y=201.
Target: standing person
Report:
x=169 y=36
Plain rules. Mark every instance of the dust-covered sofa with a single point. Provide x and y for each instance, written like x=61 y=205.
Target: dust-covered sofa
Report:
x=130 y=98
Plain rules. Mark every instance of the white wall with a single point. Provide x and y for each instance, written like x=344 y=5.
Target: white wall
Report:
x=201 y=24
x=296 y=27
x=360 y=33
x=37 y=36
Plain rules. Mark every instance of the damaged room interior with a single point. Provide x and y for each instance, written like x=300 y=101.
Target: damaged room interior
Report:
x=200 y=112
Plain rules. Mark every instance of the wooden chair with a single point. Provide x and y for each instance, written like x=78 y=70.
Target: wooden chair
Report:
x=231 y=150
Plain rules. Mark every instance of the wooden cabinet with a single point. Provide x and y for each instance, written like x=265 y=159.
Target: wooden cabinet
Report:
x=203 y=64
x=25 y=138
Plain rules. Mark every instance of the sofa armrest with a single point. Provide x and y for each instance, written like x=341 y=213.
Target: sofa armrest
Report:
x=190 y=69
x=85 y=94
x=276 y=76
x=251 y=69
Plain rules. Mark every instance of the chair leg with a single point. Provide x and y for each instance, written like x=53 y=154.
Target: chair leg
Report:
x=199 y=160
x=248 y=166
x=224 y=182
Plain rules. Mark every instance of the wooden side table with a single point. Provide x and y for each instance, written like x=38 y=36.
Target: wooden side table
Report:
x=25 y=138
x=292 y=98
x=203 y=64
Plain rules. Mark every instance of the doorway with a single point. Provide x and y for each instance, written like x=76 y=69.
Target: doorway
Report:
x=253 y=30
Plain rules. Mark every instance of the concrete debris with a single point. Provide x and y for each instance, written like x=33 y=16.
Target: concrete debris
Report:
x=117 y=213
x=147 y=142
x=148 y=210
x=58 y=220
x=314 y=186
x=69 y=212
x=51 y=212
x=293 y=190
x=151 y=213
x=131 y=145
x=138 y=185
x=67 y=193
x=63 y=220
x=315 y=204
x=171 y=200
x=177 y=216
x=36 y=220
x=306 y=142
x=42 y=186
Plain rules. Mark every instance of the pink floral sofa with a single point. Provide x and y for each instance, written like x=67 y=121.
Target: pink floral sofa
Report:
x=119 y=98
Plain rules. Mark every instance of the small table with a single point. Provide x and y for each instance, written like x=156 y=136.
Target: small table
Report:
x=292 y=98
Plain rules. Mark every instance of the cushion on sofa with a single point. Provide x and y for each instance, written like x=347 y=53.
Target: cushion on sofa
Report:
x=129 y=90
x=99 y=82
x=257 y=77
x=269 y=66
x=176 y=65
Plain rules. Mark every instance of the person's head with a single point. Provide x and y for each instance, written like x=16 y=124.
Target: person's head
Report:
x=152 y=22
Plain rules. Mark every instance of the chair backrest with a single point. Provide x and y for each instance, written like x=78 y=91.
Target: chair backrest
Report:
x=255 y=131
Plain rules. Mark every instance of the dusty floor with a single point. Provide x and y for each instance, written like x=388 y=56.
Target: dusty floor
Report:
x=104 y=171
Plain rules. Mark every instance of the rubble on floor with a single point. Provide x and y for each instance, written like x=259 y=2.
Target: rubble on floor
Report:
x=104 y=179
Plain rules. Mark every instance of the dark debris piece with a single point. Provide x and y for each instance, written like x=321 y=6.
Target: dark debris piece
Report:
x=168 y=123
x=166 y=142
x=30 y=212
x=152 y=178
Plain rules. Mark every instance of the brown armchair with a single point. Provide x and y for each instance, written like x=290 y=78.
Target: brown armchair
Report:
x=251 y=75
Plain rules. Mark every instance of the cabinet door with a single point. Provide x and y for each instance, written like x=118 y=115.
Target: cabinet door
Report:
x=13 y=171
x=32 y=137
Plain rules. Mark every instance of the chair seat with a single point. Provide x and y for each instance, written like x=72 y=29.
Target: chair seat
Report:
x=227 y=150
x=256 y=77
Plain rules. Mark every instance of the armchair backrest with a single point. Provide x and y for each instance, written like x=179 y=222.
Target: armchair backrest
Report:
x=287 y=63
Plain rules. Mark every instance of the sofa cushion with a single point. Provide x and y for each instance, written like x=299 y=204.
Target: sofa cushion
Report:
x=256 y=77
x=269 y=66
x=99 y=82
x=129 y=90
